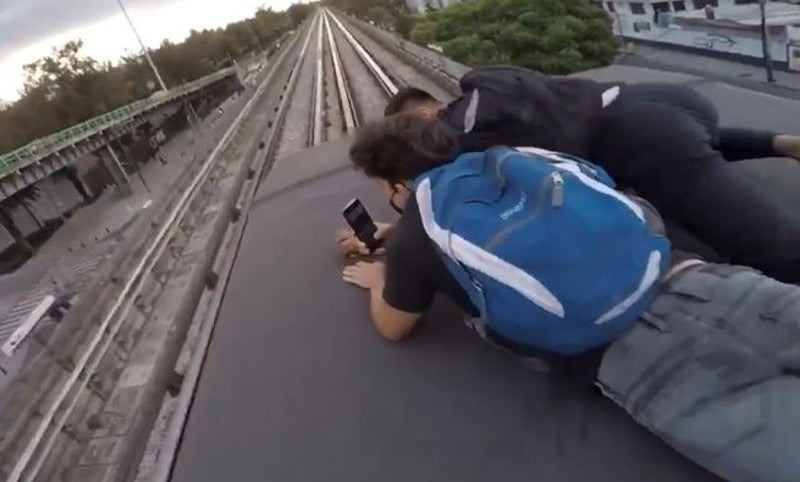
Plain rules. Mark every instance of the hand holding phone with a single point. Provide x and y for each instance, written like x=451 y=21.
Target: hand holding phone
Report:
x=362 y=224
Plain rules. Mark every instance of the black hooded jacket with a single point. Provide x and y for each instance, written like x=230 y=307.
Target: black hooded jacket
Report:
x=514 y=106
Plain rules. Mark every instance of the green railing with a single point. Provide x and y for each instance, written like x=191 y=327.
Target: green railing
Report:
x=45 y=146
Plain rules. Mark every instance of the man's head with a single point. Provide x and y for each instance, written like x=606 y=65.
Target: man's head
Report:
x=395 y=150
x=413 y=100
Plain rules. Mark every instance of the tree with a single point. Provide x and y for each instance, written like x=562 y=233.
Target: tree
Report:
x=381 y=17
x=66 y=87
x=269 y=24
x=298 y=12
x=54 y=71
x=21 y=198
x=551 y=36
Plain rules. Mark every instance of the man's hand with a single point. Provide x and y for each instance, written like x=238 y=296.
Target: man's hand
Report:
x=350 y=245
x=370 y=276
x=391 y=323
x=786 y=145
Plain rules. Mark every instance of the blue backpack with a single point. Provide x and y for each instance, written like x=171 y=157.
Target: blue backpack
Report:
x=548 y=251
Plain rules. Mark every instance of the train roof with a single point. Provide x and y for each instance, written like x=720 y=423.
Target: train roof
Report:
x=298 y=386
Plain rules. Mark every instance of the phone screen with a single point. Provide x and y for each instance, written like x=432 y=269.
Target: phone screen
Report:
x=359 y=219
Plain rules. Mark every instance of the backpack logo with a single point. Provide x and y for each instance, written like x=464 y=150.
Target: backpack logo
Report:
x=523 y=199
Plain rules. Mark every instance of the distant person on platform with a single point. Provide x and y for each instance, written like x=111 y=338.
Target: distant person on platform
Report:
x=661 y=140
x=549 y=260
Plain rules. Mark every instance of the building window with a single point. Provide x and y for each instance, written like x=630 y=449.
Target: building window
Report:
x=637 y=8
x=699 y=4
x=658 y=9
x=641 y=26
x=679 y=6
x=661 y=6
x=610 y=6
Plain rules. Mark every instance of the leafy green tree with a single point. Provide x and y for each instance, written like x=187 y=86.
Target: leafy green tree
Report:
x=298 y=12
x=551 y=36
x=67 y=87
x=381 y=16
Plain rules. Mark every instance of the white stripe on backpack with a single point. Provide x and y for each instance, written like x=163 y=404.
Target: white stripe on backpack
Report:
x=651 y=274
x=475 y=257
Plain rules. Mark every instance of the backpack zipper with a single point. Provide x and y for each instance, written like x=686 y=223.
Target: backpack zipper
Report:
x=557 y=196
x=556 y=180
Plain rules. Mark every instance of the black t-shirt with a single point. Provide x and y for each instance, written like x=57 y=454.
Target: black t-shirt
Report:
x=415 y=271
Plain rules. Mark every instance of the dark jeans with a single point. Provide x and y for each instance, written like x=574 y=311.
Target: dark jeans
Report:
x=663 y=141
x=713 y=368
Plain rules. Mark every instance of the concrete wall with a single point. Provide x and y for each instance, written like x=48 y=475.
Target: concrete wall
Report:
x=61 y=191
x=704 y=40
x=430 y=58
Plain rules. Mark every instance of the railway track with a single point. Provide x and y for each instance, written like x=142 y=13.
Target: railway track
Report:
x=387 y=85
x=330 y=85
x=169 y=267
x=346 y=105
x=115 y=408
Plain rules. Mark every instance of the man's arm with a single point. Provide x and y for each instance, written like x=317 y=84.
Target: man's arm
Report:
x=740 y=144
x=391 y=323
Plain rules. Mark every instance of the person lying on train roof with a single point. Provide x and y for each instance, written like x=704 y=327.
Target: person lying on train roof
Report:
x=549 y=260
x=662 y=140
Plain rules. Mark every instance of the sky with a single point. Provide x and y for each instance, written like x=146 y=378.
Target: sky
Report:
x=29 y=29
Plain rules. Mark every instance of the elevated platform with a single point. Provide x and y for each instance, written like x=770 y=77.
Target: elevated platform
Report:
x=298 y=386
x=40 y=158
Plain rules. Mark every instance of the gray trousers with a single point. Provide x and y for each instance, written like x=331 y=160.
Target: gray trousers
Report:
x=713 y=368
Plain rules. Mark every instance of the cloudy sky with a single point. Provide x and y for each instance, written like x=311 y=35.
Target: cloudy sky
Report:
x=30 y=28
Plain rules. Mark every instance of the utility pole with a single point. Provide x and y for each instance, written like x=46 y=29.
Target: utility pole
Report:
x=765 y=41
x=146 y=52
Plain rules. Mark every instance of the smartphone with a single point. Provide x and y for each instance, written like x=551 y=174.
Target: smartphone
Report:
x=359 y=219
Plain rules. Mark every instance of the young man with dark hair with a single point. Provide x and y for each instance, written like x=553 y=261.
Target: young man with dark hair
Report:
x=712 y=365
x=410 y=98
x=661 y=140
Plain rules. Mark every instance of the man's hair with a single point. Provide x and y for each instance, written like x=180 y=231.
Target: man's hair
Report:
x=405 y=98
x=401 y=147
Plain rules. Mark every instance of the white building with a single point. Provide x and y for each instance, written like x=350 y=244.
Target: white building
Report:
x=728 y=28
x=421 y=5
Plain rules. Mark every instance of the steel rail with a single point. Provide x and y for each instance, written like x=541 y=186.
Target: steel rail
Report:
x=316 y=130
x=346 y=103
x=386 y=83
